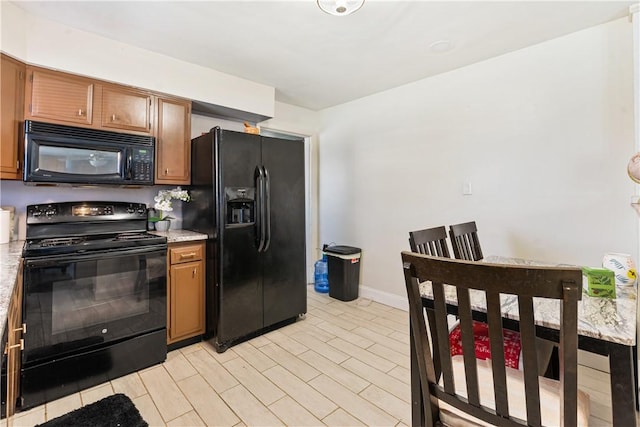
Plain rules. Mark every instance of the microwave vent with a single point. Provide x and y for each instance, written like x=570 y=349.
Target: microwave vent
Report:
x=87 y=134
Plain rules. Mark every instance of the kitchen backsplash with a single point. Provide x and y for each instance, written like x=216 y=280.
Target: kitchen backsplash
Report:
x=15 y=193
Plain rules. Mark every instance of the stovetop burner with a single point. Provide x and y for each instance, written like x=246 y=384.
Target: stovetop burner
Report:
x=61 y=241
x=133 y=236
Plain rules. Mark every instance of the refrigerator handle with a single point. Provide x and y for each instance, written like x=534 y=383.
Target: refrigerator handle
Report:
x=267 y=208
x=260 y=231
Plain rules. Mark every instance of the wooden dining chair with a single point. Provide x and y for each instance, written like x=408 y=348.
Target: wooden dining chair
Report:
x=471 y=391
x=464 y=240
x=433 y=241
x=430 y=241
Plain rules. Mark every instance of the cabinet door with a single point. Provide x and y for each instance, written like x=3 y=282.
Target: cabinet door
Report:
x=126 y=109
x=11 y=117
x=14 y=345
x=187 y=301
x=59 y=97
x=173 y=143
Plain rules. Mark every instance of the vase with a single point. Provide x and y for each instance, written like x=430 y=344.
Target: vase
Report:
x=622 y=266
x=163 y=225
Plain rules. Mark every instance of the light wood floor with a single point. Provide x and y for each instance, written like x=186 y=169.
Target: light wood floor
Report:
x=346 y=364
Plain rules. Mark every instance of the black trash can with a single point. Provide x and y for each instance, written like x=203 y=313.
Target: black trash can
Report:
x=344 y=271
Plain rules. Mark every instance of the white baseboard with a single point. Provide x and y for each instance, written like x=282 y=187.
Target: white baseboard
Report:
x=385 y=298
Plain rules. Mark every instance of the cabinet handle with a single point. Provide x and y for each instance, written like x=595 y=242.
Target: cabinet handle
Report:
x=189 y=255
x=113 y=117
x=23 y=329
x=193 y=273
x=21 y=345
x=166 y=171
x=80 y=112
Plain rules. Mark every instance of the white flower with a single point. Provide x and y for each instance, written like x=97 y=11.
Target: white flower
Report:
x=164 y=197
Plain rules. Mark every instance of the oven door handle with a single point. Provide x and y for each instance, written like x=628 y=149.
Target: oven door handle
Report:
x=69 y=258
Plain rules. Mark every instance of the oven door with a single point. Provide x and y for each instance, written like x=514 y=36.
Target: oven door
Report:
x=76 y=303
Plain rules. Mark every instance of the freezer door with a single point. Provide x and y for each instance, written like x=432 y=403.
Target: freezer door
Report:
x=240 y=306
x=284 y=260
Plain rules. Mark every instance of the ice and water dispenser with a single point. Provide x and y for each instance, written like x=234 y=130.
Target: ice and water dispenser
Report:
x=241 y=206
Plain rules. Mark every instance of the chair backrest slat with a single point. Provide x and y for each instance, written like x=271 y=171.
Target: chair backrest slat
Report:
x=569 y=358
x=523 y=282
x=468 y=346
x=529 y=362
x=496 y=343
x=442 y=327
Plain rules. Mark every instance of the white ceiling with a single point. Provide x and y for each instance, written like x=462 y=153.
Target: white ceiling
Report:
x=316 y=60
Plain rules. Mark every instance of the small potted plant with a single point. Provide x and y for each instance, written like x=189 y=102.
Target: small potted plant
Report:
x=164 y=204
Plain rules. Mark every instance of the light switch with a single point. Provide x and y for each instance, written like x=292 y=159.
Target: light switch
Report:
x=466 y=188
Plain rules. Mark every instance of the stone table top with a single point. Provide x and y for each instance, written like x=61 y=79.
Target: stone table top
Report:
x=606 y=319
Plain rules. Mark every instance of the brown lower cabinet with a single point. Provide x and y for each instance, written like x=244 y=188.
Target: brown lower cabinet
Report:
x=185 y=291
x=14 y=345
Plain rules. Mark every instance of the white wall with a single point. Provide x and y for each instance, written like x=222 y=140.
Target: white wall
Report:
x=42 y=42
x=543 y=134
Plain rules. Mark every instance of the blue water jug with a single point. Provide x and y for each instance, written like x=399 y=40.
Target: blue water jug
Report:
x=321 y=275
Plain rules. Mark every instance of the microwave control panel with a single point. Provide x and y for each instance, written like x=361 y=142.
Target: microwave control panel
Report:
x=142 y=164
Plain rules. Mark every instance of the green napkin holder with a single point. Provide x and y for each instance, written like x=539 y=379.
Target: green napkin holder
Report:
x=599 y=282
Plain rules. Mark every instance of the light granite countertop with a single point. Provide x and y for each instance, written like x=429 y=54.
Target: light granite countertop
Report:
x=176 y=236
x=611 y=320
x=11 y=253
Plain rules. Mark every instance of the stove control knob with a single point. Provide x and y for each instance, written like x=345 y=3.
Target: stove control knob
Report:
x=142 y=211
x=50 y=212
x=36 y=213
x=130 y=210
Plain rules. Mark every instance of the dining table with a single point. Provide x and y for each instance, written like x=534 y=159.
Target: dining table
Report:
x=606 y=326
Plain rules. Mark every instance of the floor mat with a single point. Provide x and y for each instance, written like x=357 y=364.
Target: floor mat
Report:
x=117 y=410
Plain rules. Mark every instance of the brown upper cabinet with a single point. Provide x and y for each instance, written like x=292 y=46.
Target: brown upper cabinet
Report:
x=173 y=153
x=63 y=98
x=59 y=97
x=11 y=117
x=126 y=109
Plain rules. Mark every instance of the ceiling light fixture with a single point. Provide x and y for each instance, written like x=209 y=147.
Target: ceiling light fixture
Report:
x=340 y=7
x=441 y=46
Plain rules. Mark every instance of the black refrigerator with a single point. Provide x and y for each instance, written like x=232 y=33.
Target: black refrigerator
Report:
x=248 y=195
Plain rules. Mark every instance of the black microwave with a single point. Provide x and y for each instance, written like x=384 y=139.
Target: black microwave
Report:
x=71 y=155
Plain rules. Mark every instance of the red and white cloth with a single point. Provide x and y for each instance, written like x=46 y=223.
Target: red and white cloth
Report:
x=512 y=344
